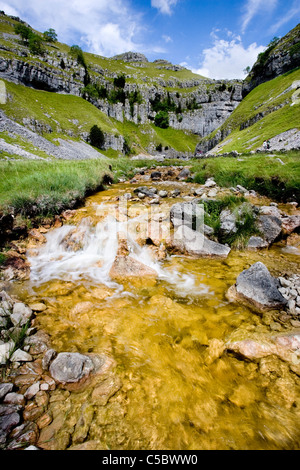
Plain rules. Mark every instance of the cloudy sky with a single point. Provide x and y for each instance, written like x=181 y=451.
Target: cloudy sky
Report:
x=215 y=38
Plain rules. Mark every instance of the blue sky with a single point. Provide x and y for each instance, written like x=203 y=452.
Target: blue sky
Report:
x=215 y=38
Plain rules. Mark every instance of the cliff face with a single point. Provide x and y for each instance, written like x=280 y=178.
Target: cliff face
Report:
x=280 y=57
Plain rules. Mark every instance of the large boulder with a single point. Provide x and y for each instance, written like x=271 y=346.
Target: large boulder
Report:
x=257 y=288
x=188 y=241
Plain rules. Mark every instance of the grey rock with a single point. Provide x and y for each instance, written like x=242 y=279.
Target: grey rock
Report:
x=185 y=173
x=175 y=193
x=5 y=351
x=21 y=356
x=256 y=243
x=8 y=422
x=163 y=194
x=14 y=398
x=71 y=367
x=228 y=222
x=210 y=183
x=32 y=391
x=197 y=244
x=270 y=227
x=21 y=314
x=48 y=356
x=5 y=389
x=259 y=288
x=155 y=175
x=148 y=192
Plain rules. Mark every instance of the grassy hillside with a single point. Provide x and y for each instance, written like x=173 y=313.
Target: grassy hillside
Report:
x=272 y=105
x=71 y=116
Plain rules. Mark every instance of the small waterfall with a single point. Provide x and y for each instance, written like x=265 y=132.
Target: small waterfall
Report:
x=88 y=252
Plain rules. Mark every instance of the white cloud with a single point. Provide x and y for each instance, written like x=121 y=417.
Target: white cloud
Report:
x=253 y=7
x=164 y=6
x=227 y=59
x=105 y=27
x=9 y=10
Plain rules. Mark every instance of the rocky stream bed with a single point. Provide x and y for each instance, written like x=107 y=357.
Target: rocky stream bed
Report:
x=130 y=324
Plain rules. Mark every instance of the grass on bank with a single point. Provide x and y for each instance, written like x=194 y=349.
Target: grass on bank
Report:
x=42 y=188
x=38 y=188
x=277 y=177
x=46 y=188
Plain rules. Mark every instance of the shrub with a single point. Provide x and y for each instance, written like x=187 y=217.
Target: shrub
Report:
x=117 y=96
x=35 y=44
x=50 y=35
x=162 y=120
x=97 y=137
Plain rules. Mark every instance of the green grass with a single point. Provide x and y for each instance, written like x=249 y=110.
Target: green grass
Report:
x=38 y=188
x=260 y=172
x=245 y=220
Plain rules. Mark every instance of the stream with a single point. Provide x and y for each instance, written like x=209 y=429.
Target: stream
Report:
x=158 y=332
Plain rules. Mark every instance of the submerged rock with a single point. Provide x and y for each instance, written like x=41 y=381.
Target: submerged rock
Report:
x=256 y=243
x=258 y=288
x=71 y=367
x=255 y=347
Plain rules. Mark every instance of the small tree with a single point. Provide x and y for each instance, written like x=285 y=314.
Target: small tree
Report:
x=50 y=35
x=96 y=137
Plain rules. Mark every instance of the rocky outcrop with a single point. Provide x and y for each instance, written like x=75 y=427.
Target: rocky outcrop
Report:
x=279 y=58
x=131 y=57
x=42 y=76
x=66 y=150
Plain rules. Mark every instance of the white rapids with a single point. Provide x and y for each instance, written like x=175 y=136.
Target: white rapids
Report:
x=87 y=252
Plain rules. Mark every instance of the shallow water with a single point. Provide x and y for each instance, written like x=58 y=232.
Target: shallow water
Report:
x=172 y=396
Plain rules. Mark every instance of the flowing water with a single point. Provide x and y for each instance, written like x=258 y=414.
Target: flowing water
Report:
x=158 y=332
